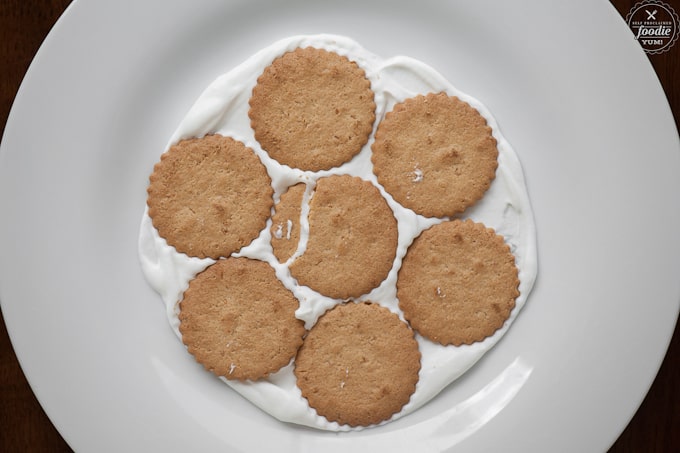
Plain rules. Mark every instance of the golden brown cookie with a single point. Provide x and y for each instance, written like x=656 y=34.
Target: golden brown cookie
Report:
x=209 y=196
x=358 y=365
x=457 y=283
x=312 y=109
x=352 y=239
x=285 y=229
x=238 y=320
x=435 y=155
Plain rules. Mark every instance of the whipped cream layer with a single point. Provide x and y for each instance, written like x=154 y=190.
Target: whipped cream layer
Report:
x=223 y=109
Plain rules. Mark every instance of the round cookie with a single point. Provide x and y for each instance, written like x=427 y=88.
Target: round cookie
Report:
x=352 y=239
x=285 y=229
x=209 y=196
x=358 y=365
x=458 y=283
x=312 y=109
x=435 y=155
x=238 y=320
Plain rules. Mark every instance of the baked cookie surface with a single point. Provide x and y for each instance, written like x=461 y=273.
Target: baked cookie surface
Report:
x=358 y=365
x=458 y=283
x=312 y=109
x=285 y=229
x=434 y=154
x=335 y=273
x=209 y=196
x=352 y=239
x=238 y=320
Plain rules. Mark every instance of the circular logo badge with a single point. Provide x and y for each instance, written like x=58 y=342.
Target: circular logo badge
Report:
x=655 y=25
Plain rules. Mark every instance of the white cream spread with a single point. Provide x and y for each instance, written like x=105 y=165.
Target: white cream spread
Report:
x=223 y=108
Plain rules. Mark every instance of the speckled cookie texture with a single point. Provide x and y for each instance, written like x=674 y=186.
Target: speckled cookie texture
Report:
x=343 y=284
x=209 y=196
x=312 y=109
x=435 y=154
x=285 y=229
x=358 y=365
x=458 y=282
x=238 y=320
x=352 y=239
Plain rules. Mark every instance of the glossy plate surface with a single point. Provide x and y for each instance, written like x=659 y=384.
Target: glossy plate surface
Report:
x=572 y=92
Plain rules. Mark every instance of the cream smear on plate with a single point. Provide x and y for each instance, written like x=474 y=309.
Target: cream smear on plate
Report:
x=223 y=109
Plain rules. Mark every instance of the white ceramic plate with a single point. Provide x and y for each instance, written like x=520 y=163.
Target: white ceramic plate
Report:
x=572 y=92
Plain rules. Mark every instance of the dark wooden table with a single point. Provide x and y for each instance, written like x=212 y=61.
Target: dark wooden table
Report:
x=24 y=426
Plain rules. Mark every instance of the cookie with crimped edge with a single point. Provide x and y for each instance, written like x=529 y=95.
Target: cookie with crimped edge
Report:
x=352 y=239
x=209 y=196
x=312 y=109
x=238 y=320
x=358 y=365
x=458 y=282
x=285 y=228
x=434 y=154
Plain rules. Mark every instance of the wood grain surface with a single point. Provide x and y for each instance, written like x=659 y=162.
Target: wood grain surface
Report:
x=24 y=427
